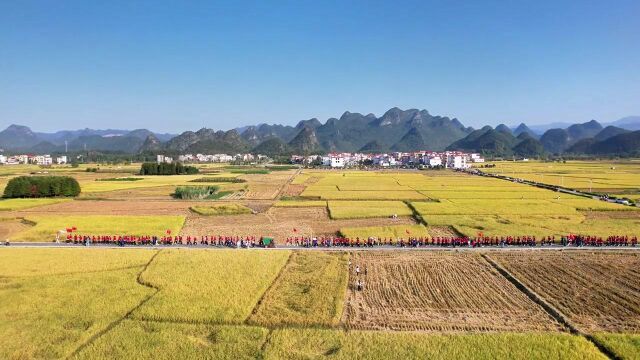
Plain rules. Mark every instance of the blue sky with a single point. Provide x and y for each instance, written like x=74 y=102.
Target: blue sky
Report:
x=182 y=65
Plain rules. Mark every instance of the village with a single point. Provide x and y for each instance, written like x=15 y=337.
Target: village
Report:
x=429 y=159
x=422 y=159
x=33 y=159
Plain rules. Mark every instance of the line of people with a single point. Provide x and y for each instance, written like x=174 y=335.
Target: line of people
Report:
x=464 y=241
x=330 y=241
x=206 y=240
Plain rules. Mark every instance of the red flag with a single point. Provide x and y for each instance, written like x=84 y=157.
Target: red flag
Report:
x=69 y=230
x=168 y=231
x=295 y=230
x=74 y=228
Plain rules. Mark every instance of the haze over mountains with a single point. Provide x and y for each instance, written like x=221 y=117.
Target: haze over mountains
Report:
x=395 y=130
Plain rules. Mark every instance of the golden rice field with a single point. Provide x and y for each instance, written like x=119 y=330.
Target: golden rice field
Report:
x=602 y=176
x=335 y=344
x=21 y=204
x=367 y=209
x=300 y=203
x=208 y=286
x=294 y=298
x=145 y=303
x=47 y=226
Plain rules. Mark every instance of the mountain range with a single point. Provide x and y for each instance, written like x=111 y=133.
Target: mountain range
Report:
x=395 y=130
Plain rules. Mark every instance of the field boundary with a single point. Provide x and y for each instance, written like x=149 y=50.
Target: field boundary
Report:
x=115 y=323
x=550 y=309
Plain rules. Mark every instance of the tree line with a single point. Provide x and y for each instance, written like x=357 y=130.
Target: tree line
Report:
x=41 y=186
x=167 y=169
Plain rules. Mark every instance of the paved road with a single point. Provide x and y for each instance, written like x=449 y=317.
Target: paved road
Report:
x=375 y=248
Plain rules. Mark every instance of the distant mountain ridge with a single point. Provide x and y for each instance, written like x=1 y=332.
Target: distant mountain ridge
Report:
x=396 y=130
x=22 y=138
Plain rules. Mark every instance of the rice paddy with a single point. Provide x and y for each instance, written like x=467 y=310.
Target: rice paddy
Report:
x=47 y=226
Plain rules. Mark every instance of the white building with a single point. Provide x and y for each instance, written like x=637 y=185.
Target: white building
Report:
x=433 y=161
x=337 y=162
x=3 y=159
x=164 y=159
x=476 y=158
x=61 y=160
x=457 y=162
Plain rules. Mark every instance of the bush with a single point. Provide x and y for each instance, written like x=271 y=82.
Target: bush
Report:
x=196 y=192
x=41 y=186
x=167 y=169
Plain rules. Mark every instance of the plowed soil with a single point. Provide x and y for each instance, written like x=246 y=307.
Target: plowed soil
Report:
x=437 y=291
x=598 y=291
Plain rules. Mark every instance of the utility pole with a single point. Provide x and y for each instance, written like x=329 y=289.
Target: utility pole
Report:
x=66 y=146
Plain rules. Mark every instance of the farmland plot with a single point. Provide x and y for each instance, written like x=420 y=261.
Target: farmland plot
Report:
x=598 y=291
x=335 y=344
x=367 y=209
x=53 y=300
x=212 y=286
x=310 y=291
x=159 y=340
x=441 y=291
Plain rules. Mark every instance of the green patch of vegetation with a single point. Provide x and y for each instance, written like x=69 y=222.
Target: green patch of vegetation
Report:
x=167 y=169
x=282 y=167
x=41 y=186
x=219 y=180
x=196 y=192
x=221 y=209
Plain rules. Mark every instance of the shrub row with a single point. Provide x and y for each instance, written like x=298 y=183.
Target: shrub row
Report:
x=219 y=180
x=41 y=186
x=167 y=169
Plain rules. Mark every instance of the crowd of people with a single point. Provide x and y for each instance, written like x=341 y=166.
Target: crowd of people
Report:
x=207 y=240
x=331 y=241
x=464 y=241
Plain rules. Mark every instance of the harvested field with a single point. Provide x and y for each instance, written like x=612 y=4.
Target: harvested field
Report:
x=279 y=222
x=11 y=227
x=438 y=291
x=293 y=190
x=442 y=231
x=116 y=207
x=598 y=291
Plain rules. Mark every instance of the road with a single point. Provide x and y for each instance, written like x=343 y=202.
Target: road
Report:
x=336 y=248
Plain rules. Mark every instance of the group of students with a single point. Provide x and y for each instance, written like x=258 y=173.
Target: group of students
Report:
x=122 y=240
x=329 y=241
x=479 y=241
